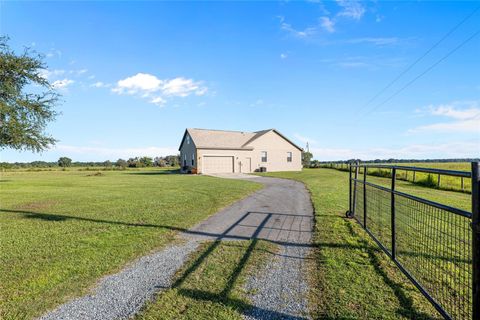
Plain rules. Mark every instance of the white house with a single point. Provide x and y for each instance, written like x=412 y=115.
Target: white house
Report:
x=219 y=151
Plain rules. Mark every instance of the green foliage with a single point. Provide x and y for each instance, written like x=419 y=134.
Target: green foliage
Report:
x=64 y=162
x=24 y=114
x=121 y=163
x=306 y=159
x=145 y=161
x=428 y=181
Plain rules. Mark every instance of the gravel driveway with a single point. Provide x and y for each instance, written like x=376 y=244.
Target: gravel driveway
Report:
x=281 y=212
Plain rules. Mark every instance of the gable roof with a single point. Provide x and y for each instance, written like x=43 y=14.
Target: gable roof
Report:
x=222 y=139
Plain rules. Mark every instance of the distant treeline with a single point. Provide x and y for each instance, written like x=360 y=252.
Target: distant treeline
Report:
x=136 y=162
x=314 y=162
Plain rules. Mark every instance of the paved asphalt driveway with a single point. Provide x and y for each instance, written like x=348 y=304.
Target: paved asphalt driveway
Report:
x=281 y=212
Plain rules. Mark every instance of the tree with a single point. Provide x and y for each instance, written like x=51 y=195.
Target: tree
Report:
x=107 y=164
x=24 y=114
x=145 y=161
x=64 y=162
x=159 y=162
x=173 y=160
x=121 y=163
x=132 y=162
x=306 y=158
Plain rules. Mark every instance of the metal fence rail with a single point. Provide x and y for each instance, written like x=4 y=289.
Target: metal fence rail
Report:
x=435 y=245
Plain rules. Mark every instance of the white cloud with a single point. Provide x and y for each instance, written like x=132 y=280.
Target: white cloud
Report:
x=258 y=102
x=49 y=74
x=182 y=87
x=327 y=24
x=159 y=101
x=351 y=9
x=374 y=41
x=458 y=149
x=114 y=153
x=464 y=117
x=157 y=90
x=138 y=82
x=452 y=110
x=307 y=32
x=100 y=84
x=62 y=84
x=304 y=139
x=283 y=56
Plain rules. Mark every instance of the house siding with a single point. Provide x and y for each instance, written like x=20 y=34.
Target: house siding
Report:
x=277 y=148
x=188 y=150
x=275 y=145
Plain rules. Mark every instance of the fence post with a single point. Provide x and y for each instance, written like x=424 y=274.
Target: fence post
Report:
x=476 y=239
x=365 y=197
x=349 y=212
x=355 y=189
x=414 y=176
x=392 y=207
x=438 y=181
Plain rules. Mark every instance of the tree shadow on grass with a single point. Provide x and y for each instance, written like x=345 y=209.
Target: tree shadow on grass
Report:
x=407 y=307
x=406 y=303
x=224 y=296
x=154 y=173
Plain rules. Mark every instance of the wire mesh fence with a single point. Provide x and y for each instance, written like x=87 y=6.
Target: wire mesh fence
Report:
x=433 y=244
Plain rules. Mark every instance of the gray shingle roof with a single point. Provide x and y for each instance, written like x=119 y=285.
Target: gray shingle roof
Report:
x=223 y=139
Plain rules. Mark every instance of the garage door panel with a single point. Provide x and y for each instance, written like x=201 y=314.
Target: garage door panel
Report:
x=217 y=164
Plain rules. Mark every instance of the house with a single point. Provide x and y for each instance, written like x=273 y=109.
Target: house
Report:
x=219 y=151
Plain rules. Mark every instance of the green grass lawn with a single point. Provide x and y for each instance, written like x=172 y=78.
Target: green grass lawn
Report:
x=446 y=182
x=353 y=278
x=210 y=285
x=62 y=230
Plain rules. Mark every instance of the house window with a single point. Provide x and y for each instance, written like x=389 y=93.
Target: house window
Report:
x=188 y=139
x=289 y=157
x=185 y=160
x=193 y=159
x=264 y=156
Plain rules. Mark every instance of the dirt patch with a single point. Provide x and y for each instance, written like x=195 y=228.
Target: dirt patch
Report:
x=96 y=174
x=37 y=205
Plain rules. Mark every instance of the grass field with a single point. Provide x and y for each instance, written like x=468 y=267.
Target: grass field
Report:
x=62 y=230
x=446 y=182
x=210 y=286
x=354 y=279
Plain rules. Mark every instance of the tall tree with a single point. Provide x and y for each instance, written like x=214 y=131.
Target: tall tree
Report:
x=27 y=100
x=306 y=158
x=64 y=162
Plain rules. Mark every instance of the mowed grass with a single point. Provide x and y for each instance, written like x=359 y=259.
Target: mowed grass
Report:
x=449 y=183
x=60 y=231
x=211 y=284
x=353 y=278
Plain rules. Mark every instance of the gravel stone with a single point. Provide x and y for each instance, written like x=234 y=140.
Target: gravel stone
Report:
x=121 y=295
x=280 y=290
x=281 y=213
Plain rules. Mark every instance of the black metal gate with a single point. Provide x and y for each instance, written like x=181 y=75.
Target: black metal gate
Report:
x=436 y=246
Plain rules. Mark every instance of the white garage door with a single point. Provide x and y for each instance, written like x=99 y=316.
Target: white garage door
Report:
x=217 y=164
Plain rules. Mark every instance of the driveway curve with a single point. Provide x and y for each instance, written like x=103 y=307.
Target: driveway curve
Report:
x=281 y=212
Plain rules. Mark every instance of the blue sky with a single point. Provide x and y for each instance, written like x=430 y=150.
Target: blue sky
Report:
x=134 y=75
